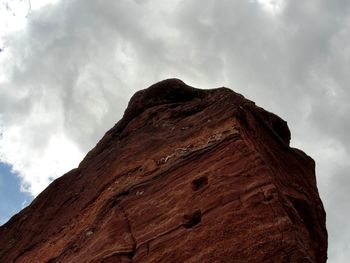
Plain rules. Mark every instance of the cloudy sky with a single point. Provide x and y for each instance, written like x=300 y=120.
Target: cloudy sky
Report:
x=69 y=67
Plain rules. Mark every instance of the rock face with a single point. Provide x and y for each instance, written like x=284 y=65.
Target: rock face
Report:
x=187 y=175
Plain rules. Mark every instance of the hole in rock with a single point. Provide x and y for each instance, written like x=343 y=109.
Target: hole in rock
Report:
x=199 y=183
x=193 y=219
x=269 y=197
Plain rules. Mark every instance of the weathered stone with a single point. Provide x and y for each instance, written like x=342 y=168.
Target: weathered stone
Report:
x=187 y=175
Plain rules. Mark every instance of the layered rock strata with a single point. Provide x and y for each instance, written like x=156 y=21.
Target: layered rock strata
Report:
x=187 y=175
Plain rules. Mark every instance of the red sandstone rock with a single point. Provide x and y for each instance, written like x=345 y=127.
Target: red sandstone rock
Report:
x=187 y=175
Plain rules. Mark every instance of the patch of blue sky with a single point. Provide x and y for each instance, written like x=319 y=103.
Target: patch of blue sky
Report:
x=12 y=198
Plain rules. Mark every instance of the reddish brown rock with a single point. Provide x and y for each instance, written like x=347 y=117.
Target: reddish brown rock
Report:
x=187 y=175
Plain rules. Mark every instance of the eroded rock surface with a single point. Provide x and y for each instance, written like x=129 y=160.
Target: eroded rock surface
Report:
x=187 y=175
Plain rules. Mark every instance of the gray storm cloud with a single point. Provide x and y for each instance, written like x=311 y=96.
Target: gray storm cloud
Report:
x=69 y=74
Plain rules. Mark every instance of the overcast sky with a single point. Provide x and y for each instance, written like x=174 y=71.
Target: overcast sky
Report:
x=68 y=69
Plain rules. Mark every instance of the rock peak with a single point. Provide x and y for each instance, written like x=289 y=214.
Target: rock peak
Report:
x=164 y=92
x=168 y=91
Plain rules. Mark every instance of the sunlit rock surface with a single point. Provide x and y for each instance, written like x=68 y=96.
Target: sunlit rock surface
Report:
x=187 y=175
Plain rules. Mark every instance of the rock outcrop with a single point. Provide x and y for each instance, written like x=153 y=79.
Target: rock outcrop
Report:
x=187 y=175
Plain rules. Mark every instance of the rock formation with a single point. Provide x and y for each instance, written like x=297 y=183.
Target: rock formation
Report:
x=187 y=175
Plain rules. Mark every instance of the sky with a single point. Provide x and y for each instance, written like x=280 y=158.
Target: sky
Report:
x=69 y=67
x=12 y=199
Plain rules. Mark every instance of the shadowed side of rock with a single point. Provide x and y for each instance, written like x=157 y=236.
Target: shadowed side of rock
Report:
x=187 y=175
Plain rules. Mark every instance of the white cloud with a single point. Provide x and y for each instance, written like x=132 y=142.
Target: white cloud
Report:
x=66 y=78
x=36 y=4
x=38 y=152
x=13 y=14
x=272 y=6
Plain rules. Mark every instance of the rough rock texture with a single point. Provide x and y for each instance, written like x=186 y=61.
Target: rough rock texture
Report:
x=187 y=175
